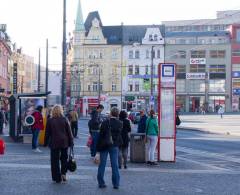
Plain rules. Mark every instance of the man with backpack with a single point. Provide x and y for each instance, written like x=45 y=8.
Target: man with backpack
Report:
x=94 y=127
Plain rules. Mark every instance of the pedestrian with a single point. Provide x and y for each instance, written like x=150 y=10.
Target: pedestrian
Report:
x=151 y=136
x=221 y=111
x=142 y=122
x=2 y=120
x=74 y=122
x=94 y=127
x=109 y=141
x=123 y=149
x=58 y=137
x=37 y=127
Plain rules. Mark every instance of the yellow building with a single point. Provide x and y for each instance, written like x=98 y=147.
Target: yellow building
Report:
x=96 y=66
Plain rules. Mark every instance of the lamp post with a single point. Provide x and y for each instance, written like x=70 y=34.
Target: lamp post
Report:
x=99 y=77
x=39 y=68
x=46 y=79
x=64 y=55
x=151 y=80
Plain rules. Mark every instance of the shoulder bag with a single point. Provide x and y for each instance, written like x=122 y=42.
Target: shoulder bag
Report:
x=71 y=164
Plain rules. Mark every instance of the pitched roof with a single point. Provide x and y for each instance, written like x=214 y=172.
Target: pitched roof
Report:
x=197 y=34
x=90 y=17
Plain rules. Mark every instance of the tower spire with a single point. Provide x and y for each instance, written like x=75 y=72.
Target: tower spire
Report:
x=79 y=24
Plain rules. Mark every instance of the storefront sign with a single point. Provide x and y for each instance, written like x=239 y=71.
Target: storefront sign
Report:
x=197 y=60
x=201 y=75
x=14 y=78
x=236 y=91
x=168 y=75
x=236 y=74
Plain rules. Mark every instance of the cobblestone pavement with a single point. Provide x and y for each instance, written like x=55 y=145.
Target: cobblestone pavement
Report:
x=196 y=171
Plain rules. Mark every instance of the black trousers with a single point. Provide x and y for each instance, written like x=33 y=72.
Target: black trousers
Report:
x=58 y=155
x=74 y=127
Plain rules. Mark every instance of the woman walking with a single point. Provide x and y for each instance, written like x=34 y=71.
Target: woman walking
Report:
x=58 y=137
x=123 y=149
x=108 y=143
x=152 y=136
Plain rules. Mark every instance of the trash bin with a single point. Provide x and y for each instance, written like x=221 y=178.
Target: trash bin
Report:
x=137 y=148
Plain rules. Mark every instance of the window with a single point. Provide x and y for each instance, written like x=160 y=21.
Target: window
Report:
x=217 y=68
x=114 y=87
x=153 y=54
x=182 y=54
x=130 y=87
x=100 y=55
x=101 y=86
x=197 y=67
x=150 y=38
x=198 y=54
x=89 y=87
x=236 y=67
x=130 y=69
x=197 y=86
x=130 y=54
x=158 y=53
x=137 y=54
x=95 y=86
x=146 y=70
x=181 y=41
x=136 y=86
x=114 y=54
x=236 y=53
x=147 y=54
x=155 y=37
x=0 y=53
x=181 y=68
x=216 y=85
x=136 y=69
x=217 y=53
x=178 y=54
x=180 y=85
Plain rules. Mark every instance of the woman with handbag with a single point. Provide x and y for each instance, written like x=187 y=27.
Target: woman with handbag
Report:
x=151 y=136
x=108 y=143
x=123 y=149
x=59 y=138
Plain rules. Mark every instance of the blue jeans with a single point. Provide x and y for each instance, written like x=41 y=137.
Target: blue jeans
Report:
x=95 y=136
x=35 y=133
x=113 y=152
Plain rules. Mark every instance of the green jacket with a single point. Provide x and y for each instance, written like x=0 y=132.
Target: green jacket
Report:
x=152 y=126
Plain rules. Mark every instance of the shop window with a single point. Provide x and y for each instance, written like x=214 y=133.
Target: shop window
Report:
x=180 y=85
x=216 y=85
x=217 y=68
x=197 y=85
x=236 y=67
x=236 y=84
x=181 y=68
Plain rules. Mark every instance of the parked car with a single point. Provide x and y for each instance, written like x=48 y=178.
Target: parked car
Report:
x=134 y=117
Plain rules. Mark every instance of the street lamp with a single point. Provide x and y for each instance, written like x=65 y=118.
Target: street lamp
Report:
x=151 y=80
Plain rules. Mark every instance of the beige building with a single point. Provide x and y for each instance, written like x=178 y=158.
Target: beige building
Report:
x=96 y=66
x=26 y=72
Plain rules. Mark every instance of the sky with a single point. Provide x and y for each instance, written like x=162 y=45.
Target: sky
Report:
x=31 y=22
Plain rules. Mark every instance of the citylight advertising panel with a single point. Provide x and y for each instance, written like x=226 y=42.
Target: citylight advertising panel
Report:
x=166 y=110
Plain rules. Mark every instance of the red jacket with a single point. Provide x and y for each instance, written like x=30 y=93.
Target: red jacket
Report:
x=38 y=124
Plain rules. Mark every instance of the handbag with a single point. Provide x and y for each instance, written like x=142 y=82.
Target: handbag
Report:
x=71 y=164
x=178 y=121
x=2 y=146
x=89 y=141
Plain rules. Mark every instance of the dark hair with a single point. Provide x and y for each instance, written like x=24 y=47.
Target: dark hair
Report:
x=114 y=112
x=100 y=106
x=151 y=113
x=39 y=108
x=123 y=114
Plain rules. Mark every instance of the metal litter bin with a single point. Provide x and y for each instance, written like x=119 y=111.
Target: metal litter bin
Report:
x=137 y=148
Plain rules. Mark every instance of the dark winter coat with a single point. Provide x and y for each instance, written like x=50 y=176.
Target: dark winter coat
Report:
x=125 y=132
x=58 y=133
x=142 y=124
x=95 y=121
x=116 y=129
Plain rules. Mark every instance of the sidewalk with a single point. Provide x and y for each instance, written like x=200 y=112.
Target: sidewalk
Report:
x=229 y=124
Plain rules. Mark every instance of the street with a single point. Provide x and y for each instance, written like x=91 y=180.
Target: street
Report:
x=206 y=164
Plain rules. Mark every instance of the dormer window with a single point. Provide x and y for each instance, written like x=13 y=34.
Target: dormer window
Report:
x=150 y=38
x=155 y=37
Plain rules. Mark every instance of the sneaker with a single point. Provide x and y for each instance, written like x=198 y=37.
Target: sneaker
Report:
x=64 y=178
x=38 y=150
x=116 y=187
x=102 y=186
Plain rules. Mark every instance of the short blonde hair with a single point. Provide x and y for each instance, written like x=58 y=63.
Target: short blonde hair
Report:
x=57 y=111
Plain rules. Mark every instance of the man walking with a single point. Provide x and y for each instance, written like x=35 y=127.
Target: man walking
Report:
x=94 y=127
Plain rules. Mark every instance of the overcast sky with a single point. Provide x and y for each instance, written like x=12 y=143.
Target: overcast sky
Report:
x=30 y=22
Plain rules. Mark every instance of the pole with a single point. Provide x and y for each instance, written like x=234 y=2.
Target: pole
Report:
x=151 y=84
x=39 y=68
x=64 y=54
x=46 y=79
x=99 y=91
x=121 y=105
